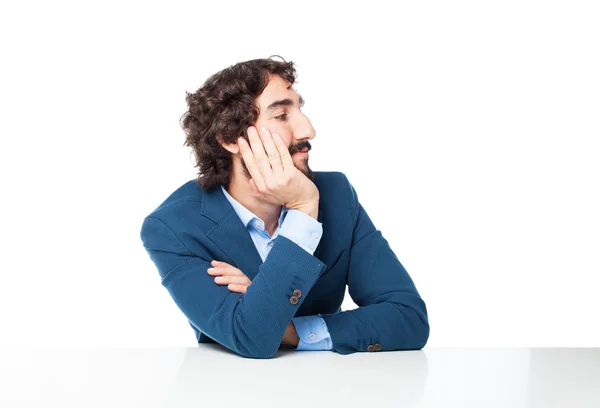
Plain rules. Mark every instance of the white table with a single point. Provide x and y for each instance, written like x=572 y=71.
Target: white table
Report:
x=211 y=376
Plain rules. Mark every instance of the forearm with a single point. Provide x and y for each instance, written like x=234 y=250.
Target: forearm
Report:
x=391 y=314
x=262 y=316
x=252 y=324
x=391 y=325
x=306 y=232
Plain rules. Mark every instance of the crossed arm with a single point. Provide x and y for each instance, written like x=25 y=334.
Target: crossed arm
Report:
x=256 y=323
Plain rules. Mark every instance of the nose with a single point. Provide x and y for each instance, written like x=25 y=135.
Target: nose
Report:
x=303 y=129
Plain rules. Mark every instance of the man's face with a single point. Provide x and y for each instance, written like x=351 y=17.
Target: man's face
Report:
x=279 y=106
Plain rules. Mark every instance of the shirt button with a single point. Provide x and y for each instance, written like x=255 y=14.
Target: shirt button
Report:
x=371 y=347
x=297 y=293
x=312 y=336
x=377 y=346
x=293 y=300
x=270 y=243
x=315 y=235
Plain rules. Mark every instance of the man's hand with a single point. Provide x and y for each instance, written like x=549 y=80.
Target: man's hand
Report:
x=275 y=178
x=229 y=275
x=290 y=337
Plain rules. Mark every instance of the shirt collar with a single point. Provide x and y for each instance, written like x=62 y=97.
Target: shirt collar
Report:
x=245 y=214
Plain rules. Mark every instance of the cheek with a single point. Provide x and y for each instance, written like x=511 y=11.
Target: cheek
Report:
x=282 y=131
x=280 y=128
x=287 y=139
x=285 y=134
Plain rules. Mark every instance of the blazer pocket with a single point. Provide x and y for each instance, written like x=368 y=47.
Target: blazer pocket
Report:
x=341 y=262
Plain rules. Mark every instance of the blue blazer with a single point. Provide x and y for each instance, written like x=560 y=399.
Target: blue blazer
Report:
x=192 y=227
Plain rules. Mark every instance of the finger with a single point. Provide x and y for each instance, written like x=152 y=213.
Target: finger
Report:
x=224 y=270
x=216 y=263
x=284 y=153
x=272 y=155
x=260 y=157
x=248 y=157
x=263 y=161
x=226 y=279
x=237 y=288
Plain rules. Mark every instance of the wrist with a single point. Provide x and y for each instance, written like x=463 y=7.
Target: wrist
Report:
x=311 y=208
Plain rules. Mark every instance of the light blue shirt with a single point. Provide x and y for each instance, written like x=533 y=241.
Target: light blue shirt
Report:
x=306 y=232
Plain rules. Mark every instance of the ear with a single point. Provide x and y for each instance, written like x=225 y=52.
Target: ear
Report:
x=231 y=147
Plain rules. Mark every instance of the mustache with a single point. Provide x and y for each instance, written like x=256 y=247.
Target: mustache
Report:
x=300 y=146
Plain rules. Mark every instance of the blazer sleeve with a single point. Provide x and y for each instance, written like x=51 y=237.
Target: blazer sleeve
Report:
x=391 y=314
x=250 y=324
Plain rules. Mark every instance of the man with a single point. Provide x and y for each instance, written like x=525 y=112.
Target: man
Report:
x=257 y=252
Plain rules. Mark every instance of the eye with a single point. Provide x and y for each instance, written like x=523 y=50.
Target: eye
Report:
x=282 y=117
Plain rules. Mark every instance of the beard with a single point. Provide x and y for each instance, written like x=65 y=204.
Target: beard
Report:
x=306 y=171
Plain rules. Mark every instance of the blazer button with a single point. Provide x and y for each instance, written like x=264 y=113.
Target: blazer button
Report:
x=298 y=293
x=371 y=347
x=293 y=300
x=377 y=346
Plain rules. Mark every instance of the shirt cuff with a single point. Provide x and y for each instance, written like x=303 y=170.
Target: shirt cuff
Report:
x=302 y=229
x=313 y=333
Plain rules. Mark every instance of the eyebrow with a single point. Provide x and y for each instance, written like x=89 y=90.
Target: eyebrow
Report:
x=284 y=102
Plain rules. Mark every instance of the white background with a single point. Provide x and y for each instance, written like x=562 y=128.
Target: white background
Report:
x=468 y=129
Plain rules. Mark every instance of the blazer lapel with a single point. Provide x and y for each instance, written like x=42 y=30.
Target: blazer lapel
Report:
x=230 y=234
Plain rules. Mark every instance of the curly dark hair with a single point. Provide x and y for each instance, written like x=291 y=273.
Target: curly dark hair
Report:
x=223 y=108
